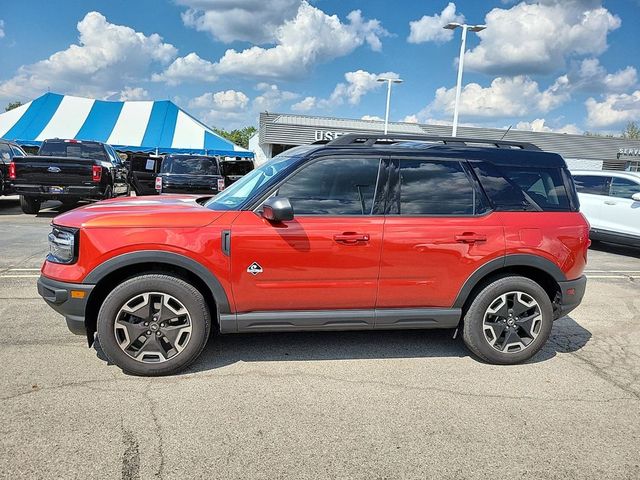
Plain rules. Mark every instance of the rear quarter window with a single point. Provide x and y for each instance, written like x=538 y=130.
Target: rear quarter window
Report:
x=513 y=188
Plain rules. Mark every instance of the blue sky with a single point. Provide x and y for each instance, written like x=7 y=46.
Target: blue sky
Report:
x=546 y=65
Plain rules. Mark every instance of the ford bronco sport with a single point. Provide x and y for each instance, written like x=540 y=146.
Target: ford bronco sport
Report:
x=364 y=232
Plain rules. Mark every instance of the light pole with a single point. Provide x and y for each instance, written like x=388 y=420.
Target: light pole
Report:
x=389 y=82
x=465 y=27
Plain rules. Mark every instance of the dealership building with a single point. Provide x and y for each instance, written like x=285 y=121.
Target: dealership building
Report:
x=280 y=131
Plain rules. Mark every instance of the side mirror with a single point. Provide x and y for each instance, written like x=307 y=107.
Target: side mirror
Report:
x=636 y=197
x=277 y=209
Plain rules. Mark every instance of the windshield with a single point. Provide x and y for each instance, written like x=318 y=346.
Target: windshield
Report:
x=237 y=194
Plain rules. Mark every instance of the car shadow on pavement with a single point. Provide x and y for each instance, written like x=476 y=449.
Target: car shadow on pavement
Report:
x=616 y=249
x=567 y=336
x=10 y=206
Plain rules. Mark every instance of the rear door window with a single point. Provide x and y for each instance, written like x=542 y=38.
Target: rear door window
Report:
x=623 y=188
x=433 y=187
x=593 y=184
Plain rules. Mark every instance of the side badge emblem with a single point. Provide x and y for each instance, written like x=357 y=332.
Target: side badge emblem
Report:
x=254 y=269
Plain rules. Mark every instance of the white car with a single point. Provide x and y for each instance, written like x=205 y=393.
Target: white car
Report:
x=611 y=202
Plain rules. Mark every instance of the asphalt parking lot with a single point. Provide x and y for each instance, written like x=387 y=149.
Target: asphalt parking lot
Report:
x=362 y=405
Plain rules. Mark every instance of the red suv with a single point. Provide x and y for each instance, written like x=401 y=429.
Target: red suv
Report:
x=364 y=232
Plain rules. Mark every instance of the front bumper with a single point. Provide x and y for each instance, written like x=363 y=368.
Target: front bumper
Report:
x=571 y=293
x=68 y=299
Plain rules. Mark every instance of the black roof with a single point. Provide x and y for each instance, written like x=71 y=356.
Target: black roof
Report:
x=494 y=151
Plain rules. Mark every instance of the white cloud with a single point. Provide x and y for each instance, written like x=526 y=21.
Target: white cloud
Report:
x=539 y=37
x=410 y=119
x=227 y=100
x=271 y=97
x=304 y=105
x=227 y=108
x=190 y=68
x=539 y=125
x=589 y=75
x=357 y=84
x=311 y=37
x=106 y=59
x=430 y=28
x=372 y=118
x=253 y=21
x=614 y=110
x=133 y=93
x=505 y=97
x=1 y=28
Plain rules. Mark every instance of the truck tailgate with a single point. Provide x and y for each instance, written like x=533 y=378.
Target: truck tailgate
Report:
x=44 y=170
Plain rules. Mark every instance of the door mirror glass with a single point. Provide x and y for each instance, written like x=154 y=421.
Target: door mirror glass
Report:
x=277 y=209
x=636 y=197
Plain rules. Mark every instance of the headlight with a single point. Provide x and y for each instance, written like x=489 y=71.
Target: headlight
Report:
x=62 y=245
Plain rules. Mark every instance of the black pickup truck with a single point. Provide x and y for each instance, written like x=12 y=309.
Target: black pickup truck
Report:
x=69 y=171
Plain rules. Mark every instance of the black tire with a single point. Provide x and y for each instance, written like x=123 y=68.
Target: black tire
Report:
x=108 y=193
x=474 y=328
x=180 y=290
x=30 y=205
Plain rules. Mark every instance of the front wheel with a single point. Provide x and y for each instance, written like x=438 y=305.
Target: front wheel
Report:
x=153 y=325
x=508 y=321
x=30 y=205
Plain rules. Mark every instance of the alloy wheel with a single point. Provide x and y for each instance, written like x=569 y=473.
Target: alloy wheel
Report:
x=512 y=322
x=152 y=327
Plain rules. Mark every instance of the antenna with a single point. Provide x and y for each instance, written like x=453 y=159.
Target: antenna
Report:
x=505 y=133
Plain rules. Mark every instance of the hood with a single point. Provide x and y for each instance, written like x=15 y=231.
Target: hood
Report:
x=163 y=211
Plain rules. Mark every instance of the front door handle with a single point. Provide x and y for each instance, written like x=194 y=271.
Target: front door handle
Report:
x=351 y=238
x=610 y=202
x=470 y=237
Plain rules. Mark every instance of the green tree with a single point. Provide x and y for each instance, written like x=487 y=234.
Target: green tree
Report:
x=238 y=136
x=631 y=131
x=13 y=105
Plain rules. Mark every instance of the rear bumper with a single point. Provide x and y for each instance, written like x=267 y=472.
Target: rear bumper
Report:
x=571 y=293
x=42 y=191
x=72 y=306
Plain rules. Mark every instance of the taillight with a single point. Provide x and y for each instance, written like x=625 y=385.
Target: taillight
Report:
x=12 y=171
x=220 y=184
x=159 y=184
x=96 y=173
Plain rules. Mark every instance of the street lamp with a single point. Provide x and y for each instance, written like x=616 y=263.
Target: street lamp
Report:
x=389 y=82
x=465 y=27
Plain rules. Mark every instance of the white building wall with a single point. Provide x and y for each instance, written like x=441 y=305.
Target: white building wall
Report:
x=262 y=151
x=581 y=164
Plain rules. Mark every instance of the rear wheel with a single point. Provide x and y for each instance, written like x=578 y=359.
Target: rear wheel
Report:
x=153 y=325
x=509 y=321
x=30 y=205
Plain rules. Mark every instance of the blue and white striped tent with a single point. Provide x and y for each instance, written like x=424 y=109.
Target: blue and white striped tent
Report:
x=136 y=126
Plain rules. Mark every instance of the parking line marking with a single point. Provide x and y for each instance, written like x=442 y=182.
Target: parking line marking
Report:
x=634 y=277
x=612 y=271
x=19 y=276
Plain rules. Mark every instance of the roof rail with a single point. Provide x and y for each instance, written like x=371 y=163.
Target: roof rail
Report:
x=369 y=139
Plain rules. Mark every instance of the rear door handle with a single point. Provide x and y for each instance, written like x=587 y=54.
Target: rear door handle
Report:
x=351 y=238
x=469 y=237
